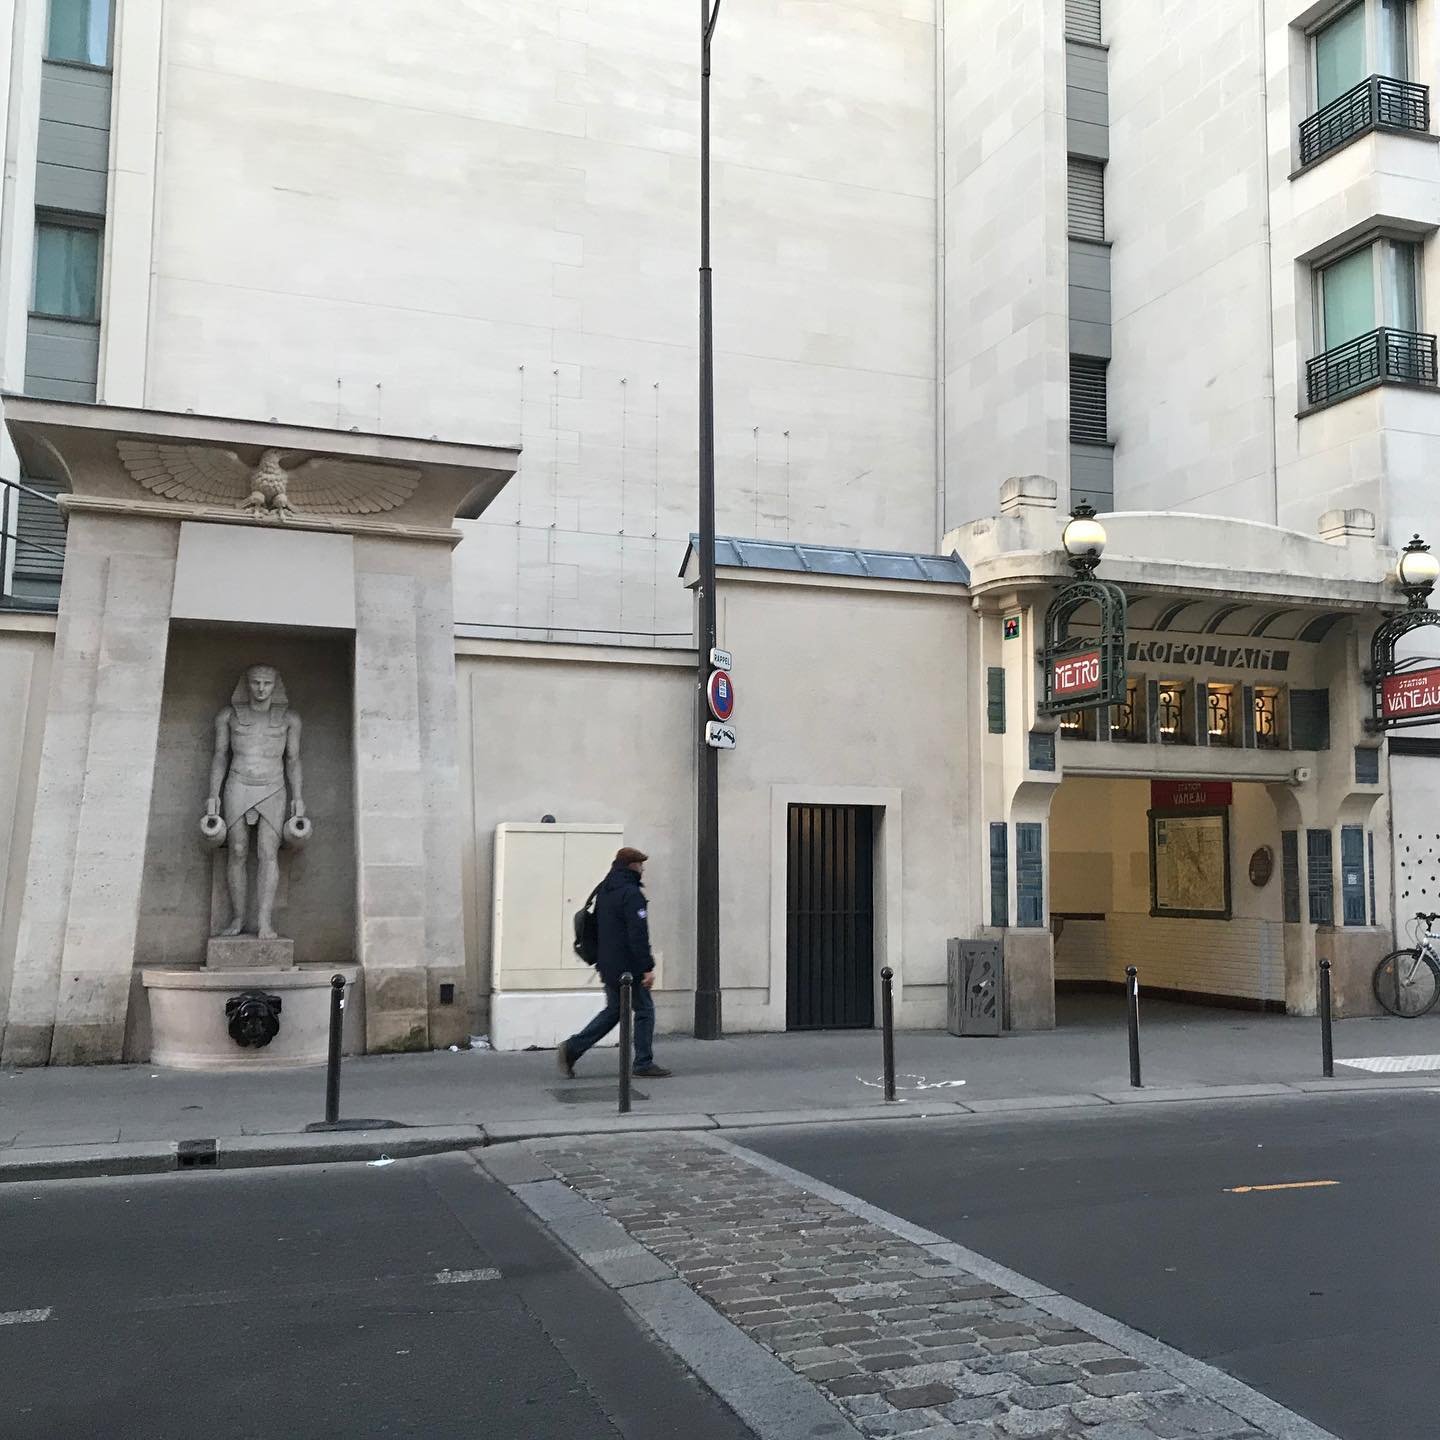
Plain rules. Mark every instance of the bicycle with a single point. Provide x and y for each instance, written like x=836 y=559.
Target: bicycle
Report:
x=1407 y=982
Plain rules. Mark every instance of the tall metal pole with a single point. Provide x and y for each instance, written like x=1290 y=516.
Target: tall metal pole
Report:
x=707 y=799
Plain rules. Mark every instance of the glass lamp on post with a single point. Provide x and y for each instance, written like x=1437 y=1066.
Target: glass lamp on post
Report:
x=1084 y=540
x=1417 y=572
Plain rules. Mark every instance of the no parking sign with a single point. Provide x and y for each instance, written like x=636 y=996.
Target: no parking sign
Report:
x=720 y=692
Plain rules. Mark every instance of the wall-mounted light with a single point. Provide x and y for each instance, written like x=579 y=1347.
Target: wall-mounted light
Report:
x=1084 y=540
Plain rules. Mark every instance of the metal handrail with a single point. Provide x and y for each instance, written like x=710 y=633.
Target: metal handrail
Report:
x=1404 y=356
x=1382 y=102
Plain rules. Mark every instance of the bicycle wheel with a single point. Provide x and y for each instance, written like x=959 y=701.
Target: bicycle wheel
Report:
x=1407 y=983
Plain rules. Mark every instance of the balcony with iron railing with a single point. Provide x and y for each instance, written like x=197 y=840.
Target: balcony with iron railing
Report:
x=1379 y=103
x=1383 y=356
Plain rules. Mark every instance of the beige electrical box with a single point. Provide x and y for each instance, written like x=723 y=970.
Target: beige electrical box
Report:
x=543 y=875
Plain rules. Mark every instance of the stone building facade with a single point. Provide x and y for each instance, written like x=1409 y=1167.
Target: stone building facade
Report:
x=1178 y=262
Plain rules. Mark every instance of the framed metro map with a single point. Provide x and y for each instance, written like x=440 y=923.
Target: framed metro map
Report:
x=1190 y=863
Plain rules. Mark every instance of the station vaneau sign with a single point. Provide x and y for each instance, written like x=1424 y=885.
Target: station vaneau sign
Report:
x=1409 y=696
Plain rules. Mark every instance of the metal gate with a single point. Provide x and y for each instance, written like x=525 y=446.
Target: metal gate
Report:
x=830 y=918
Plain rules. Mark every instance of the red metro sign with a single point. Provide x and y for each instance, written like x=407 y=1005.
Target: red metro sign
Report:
x=1410 y=695
x=1076 y=675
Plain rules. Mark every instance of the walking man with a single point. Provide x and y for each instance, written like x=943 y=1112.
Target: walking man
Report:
x=623 y=924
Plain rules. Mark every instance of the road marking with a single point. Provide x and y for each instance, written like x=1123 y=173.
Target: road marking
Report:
x=1393 y=1064
x=24 y=1317
x=1288 y=1185
x=464 y=1277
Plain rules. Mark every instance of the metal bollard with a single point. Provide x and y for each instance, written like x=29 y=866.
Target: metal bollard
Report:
x=1327 y=1038
x=887 y=1028
x=332 y=1069
x=627 y=1030
x=1132 y=990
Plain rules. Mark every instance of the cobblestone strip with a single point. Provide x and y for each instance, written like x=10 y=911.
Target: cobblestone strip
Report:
x=903 y=1341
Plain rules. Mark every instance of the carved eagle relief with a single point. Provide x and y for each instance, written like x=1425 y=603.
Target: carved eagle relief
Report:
x=207 y=475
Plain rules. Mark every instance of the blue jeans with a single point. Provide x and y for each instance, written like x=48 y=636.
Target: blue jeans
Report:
x=644 y=1009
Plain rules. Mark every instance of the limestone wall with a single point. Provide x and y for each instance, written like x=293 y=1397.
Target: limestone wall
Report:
x=26 y=646
x=479 y=220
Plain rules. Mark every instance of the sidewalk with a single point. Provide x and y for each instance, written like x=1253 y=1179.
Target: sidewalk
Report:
x=134 y=1115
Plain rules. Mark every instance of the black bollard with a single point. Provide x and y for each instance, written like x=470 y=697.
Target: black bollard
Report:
x=887 y=1028
x=332 y=1070
x=1132 y=990
x=1327 y=1038
x=627 y=1030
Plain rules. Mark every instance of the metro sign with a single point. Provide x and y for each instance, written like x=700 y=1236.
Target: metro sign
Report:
x=1076 y=675
x=1411 y=695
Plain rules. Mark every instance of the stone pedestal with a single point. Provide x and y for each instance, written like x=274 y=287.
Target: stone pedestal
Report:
x=249 y=952
x=191 y=1030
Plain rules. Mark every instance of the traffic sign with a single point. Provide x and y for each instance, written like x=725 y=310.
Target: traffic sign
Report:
x=718 y=736
x=721 y=660
x=720 y=692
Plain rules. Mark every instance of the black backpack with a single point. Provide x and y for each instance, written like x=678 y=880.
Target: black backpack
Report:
x=587 y=930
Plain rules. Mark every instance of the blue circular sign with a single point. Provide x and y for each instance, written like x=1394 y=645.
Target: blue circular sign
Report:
x=721 y=694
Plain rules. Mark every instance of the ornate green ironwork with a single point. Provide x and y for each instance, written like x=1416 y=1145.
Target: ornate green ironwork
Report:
x=1061 y=645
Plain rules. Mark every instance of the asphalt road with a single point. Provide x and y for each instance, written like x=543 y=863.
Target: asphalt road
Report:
x=1326 y=1298
x=305 y=1303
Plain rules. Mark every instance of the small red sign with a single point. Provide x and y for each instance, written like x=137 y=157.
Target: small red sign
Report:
x=721 y=694
x=1191 y=794
x=1076 y=675
x=1403 y=697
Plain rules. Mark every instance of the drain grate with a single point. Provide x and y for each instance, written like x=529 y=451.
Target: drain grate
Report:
x=594 y=1095
x=195 y=1154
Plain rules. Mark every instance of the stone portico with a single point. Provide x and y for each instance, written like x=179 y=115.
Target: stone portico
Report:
x=159 y=592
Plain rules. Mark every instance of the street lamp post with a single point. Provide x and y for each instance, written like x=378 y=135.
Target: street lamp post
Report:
x=1417 y=572
x=707 y=798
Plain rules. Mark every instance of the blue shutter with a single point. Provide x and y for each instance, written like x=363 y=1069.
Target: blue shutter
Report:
x=1247 y=718
x=1352 y=873
x=999 y=874
x=1029 y=875
x=1042 y=750
x=1290 y=867
x=1309 y=719
x=1152 y=711
x=1367 y=765
x=1320 y=862
x=1373 y=902
x=995 y=699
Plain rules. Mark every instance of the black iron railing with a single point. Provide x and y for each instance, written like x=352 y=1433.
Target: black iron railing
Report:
x=1379 y=103
x=1383 y=354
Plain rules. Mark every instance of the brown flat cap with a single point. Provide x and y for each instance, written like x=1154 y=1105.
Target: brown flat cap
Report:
x=628 y=856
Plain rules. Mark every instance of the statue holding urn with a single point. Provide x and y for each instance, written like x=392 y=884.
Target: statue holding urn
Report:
x=257 y=755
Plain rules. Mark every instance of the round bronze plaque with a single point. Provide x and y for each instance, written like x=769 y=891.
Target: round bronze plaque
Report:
x=1262 y=867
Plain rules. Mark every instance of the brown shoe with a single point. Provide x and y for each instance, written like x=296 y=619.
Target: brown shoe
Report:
x=563 y=1063
x=652 y=1072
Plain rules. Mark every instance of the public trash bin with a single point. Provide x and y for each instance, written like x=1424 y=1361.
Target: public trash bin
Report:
x=976 y=987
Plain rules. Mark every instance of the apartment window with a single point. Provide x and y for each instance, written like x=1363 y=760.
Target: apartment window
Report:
x=1085 y=199
x=1173 y=713
x=1222 y=715
x=1089 y=408
x=67 y=271
x=1127 y=721
x=79 y=32
x=1360 y=78
x=1367 y=321
x=1265 y=703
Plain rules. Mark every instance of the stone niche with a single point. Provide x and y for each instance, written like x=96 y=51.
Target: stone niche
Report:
x=182 y=894
x=195 y=548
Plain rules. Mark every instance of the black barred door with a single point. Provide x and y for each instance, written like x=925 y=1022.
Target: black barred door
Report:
x=830 y=918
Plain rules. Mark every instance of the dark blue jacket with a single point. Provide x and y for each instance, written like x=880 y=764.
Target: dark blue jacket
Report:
x=623 y=927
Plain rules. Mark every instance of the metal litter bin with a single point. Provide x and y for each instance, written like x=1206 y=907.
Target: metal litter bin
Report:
x=976 y=987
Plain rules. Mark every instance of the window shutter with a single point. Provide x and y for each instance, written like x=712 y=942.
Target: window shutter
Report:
x=1247 y=705
x=1029 y=875
x=1152 y=711
x=1319 y=856
x=1352 y=873
x=1367 y=765
x=995 y=699
x=1202 y=713
x=1042 y=750
x=999 y=874
x=1309 y=719
x=1373 y=902
x=1085 y=199
x=1290 y=870
x=39 y=532
x=1082 y=20
x=1089 y=409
